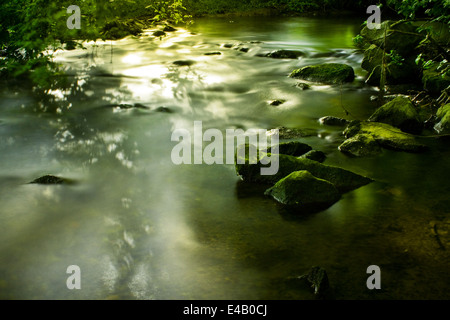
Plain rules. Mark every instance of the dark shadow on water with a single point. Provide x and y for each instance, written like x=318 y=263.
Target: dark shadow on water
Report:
x=298 y=215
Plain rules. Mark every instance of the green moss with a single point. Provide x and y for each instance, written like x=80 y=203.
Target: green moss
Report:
x=443 y=115
x=361 y=145
x=399 y=113
x=331 y=73
x=434 y=82
x=301 y=189
x=342 y=179
x=385 y=135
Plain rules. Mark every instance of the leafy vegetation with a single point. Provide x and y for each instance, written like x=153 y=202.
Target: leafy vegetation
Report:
x=31 y=30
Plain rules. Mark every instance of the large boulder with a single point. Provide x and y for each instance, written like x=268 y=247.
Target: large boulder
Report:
x=434 y=81
x=361 y=145
x=401 y=36
x=342 y=179
x=385 y=135
x=443 y=116
x=400 y=113
x=397 y=72
x=302 y=190
x=330 y=73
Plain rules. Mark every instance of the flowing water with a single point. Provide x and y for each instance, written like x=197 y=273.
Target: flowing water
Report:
x=141 y=227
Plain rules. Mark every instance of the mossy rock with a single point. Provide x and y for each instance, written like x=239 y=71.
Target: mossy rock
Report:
x=396 y=72
x=443 y=116
x=294 y=133
x=401 y=36
x=285 y=54
x=116 y=30
x=302 y=190
x=400 y=113
x=361 y=145
x=315 y=155
x=333 y=121
x=342 y=179
x=291 y=148
x=49 y=179
x=434 y=82
x=159 y=33
x=331 y=73
x=385 y=135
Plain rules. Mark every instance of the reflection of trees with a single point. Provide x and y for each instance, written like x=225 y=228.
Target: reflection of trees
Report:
x=92 y=136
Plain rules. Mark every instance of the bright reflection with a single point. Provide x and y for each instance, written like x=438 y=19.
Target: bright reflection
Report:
x=152 y=71
x=132 y=59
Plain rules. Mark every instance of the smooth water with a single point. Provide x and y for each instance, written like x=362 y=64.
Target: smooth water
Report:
x=140 y=227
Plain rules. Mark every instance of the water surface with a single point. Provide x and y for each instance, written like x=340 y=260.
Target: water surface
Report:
x=141 y=227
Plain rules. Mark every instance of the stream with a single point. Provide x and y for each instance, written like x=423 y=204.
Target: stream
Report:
x=141 y=227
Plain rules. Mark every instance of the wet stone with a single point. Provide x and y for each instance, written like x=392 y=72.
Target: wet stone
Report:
x=49 y=179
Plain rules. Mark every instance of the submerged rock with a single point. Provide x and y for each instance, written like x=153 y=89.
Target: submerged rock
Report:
x=400 y=113
x=315 y=155
x=361 y=145
x=184 y=63
x=342 y=179
x=303 y=86
x=277 y=103
x=385 y=135
x=215 y=53
x=49 y=179
x=163 y=110
x=333 y=121
x=443 y=116
x=285 y=54
x=303 y=191
x=159 y=33
x=331 y=73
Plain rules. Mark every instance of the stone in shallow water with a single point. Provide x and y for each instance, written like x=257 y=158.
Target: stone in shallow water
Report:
x=333 y=121
x=342 y=179
x=285 y=54
x=215 y=53
x=400 y=113
x=330 y=73
x=301 y=190
x=276 y=103
x=159 y=33
x=169 y=29
x=315 y=155
x=49 y=179
x=385 y=135
x=361 y=145
x=184 y=63
x=293 y=133
x=163 y=110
